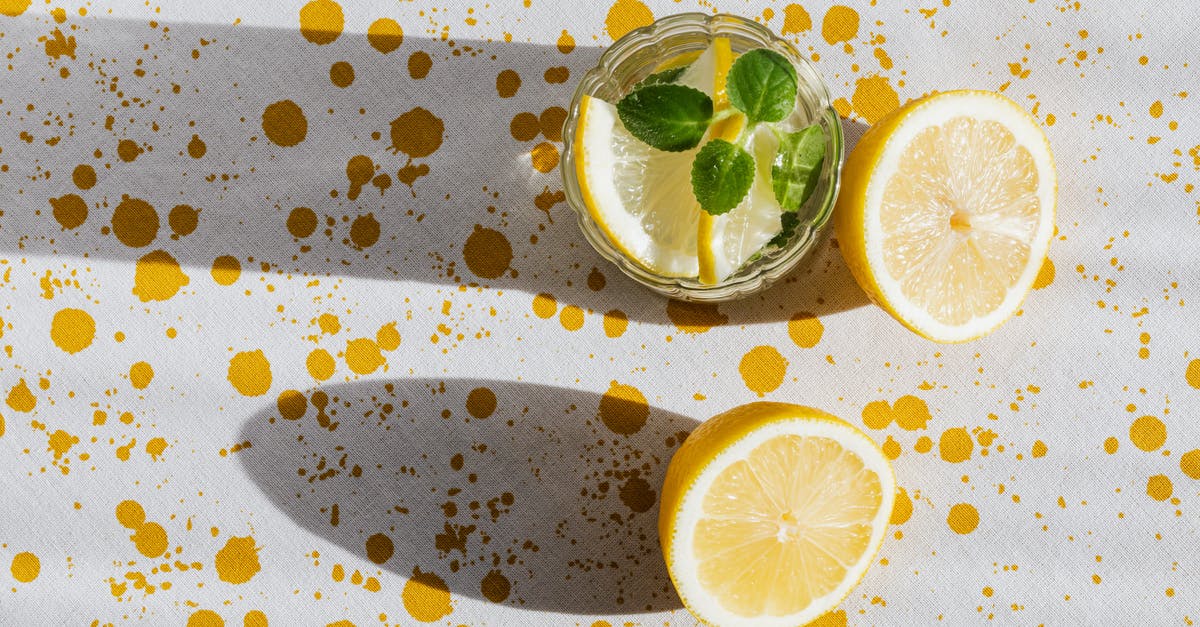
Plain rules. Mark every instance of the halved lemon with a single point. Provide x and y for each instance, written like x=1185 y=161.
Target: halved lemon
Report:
x=771 y=513
x=639 y=196
x=946 y=212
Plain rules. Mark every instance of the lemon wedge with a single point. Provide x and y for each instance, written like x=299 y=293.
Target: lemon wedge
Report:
x=771 y=513
x=946 y=212
x=639 y=196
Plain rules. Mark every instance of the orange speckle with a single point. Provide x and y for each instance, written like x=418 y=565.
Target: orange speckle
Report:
x=508 y=82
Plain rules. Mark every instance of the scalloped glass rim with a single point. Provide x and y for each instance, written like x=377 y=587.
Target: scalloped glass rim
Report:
x=655 y=42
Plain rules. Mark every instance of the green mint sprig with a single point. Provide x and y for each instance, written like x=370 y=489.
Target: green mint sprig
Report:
x=762 y=85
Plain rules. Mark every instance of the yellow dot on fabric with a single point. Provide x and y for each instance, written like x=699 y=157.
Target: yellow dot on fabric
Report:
x=963 y=518
x=72 y=330
x=250 y=373
x=1189 y=463
x=25 y=567
x=763 y=369
x=956 y=445
x=1159 y=487
x=1148 y=433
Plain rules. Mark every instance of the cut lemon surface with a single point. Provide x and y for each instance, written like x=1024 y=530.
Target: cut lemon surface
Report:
x=771 y=513
x=946 y=212
x=639 y=196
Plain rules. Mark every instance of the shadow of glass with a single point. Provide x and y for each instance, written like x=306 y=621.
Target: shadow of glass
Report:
x=190 y=121
x=515 y=493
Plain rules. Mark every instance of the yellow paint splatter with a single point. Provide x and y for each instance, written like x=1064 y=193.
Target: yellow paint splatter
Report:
x=135 y=222
x=1039 y=449
x=150 y=539
x=140 y=375
x=615 y=323
x=363 y=356
x=417 y=133
x=830 y=619
x=20 y=398
x=419 y=64
x=495 y=587
x=623 y=409
x=284 y=123
x=237 y=561
x=1045 y=275
x=694 y=318
x=226 y=270
x=70 y=211
x=571 y=318
x=25 y=567
x=1156 y=109
x=320 y=364
x=963 y=518
x=341 y=74
x=626 y=15
x=379 y=548
x=426 y=597
x=385 y=35
x=566 y=43
x=840 y=24
x=13 y=8
x=84 y=176
x=291 y=404
x=481 y=402
x=795 y=19
x=877 y=415
x=321 y=21
x=544 y=306
x=911 y=413
x=956 y=445
x=903 y=508
x=301 y=222
x=1192 y=374
x=1159 y=487
x=205 y=618
x=72 y=330
x=155 y=448
x=60 y=443
x=487 y=252
x=196 y=148
x=157 y=277
x=763 y=369
x=250 y=373
x=508 y=82
x=874 y=98
x=130 y=514
x=254 y=618
x=1189 y=463
x=388 y=337
x=805 y=329
x=1148 y=433
x=891 y=448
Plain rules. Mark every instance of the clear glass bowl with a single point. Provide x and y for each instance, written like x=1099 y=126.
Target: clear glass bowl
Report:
x=637 y=55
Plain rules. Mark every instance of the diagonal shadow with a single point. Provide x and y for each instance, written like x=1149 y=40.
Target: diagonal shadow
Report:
x=515 y=493
x=481 y=214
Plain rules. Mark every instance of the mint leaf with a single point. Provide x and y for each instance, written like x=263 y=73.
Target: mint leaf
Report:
x=663 y=77
x=668 y=117
x=797 y=167
x=788 y=220
x=762 y=84
x=721 y=176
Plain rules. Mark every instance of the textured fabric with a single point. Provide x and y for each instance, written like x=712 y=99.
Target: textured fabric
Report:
x=297 y=326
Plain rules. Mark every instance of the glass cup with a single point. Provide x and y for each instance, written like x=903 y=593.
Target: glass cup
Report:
x=637 y=55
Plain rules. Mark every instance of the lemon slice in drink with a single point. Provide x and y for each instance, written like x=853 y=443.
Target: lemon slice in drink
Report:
x=946 y=212
x=639 y=196
x=771 y=513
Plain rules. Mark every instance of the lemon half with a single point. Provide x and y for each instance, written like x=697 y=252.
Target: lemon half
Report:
x=771 y=513
x=946 y=212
